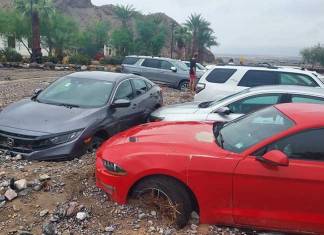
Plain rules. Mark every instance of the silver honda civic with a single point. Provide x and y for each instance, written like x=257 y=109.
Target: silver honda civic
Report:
x=236 y=105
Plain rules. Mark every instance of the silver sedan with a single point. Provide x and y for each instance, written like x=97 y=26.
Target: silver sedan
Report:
x=234 y=106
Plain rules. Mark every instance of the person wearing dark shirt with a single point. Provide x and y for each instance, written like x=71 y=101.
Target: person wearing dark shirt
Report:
x=193 y=73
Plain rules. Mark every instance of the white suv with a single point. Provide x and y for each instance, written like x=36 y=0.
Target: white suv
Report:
x=223 y=81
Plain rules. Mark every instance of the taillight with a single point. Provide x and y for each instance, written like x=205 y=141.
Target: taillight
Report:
x=200 y=87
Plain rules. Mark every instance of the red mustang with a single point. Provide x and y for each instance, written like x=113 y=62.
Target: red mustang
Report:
x=265 y=170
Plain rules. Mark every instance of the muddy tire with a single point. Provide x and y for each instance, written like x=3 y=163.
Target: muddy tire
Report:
x=184 y=86
x=173 y=192
x=95 y=143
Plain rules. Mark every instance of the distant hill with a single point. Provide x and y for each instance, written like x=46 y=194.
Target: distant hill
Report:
x=84 y=12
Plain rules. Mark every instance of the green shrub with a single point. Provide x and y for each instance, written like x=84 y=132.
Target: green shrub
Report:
x=52 y=59
x=11 y=55
x=116 y=60
x=80 y=59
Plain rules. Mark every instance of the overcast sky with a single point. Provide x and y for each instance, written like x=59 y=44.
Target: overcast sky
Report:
x=248 y=27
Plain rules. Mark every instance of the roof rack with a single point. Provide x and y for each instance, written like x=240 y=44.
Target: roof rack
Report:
x=258 y=65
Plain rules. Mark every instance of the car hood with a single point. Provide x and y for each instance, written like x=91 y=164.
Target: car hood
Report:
x=185 y=138
x=35 y=118
x=186 y=108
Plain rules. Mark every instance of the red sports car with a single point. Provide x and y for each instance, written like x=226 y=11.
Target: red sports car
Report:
x=263 y=171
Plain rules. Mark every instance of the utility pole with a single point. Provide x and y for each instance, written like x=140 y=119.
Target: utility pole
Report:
x=172 y=38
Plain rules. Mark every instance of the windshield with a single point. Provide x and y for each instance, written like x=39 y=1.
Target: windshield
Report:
x=201 y=67
x=239 y=135
x=182 y=65
x=215 y=102
x=77 y=92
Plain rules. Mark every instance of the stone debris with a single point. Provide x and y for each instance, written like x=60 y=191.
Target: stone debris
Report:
x=81 y=216
x=21 y=184
x=10 y=194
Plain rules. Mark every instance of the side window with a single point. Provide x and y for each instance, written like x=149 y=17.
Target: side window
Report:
x=139 y=86
x=130 y=60
x=166 y=65
x=306 y=145
x=254 y=103
x=124 y=91
x=306 y=99
x=149 y=85
x=253 y=78
x=220 y=75
x=296 y=79
x=152 y=63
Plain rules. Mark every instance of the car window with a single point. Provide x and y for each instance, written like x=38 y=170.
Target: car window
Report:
x=241 y=134
x=130 y=60
x=152 y=63
x=124 y=91
x=254 y=103
x=139 y=86
x=296 y=79
x=149 y=85
x=306 y=99
x=253 y=78
x=166 y=65
x=306 y=145
x=220 y=75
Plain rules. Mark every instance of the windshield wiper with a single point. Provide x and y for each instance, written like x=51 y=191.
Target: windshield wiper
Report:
x=68 y=105
x=205 y=104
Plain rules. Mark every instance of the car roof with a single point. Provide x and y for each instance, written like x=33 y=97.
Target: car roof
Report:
x=263 y=68
x=303 y=114
x=106 y=76
x=317 y=91
x=152 y=57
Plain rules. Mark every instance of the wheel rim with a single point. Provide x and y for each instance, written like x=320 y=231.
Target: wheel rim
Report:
x=154 y=197
x=184 y=86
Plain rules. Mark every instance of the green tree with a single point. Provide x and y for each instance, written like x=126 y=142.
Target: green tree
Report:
x=182 y=38
x=14 y=25
x=151 y=37
x=122 y=41
x=36 y=10
x=313 y=55
x=124 y=13
x=201 y=33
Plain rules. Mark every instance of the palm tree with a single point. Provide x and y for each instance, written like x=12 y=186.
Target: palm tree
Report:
x=35 y=9
x=124 y=13
x=202 y=34
x=182 y=38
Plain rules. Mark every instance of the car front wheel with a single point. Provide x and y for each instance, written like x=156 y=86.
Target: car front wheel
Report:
x=184 y=86
x=168 y=196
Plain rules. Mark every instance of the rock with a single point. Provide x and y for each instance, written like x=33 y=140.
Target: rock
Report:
x=10 y=194
x=24 y=192
x=43 y=213
x=24 y=233
x=151 y=229
x=84 y=67
x=21 y=184
x=2 y=173
x=169 y=232
x=38 y=187
x=44 y=177
x=109 y=229
x=72 y=210
x=81 y=216
x=49 y=65
x=194 y=215
x=2 y=198
x=49 y=229
x=153 y=213
x=141 y=216
x=1 y=65
x=2 y=204
x=18 y=157
x=193 y=227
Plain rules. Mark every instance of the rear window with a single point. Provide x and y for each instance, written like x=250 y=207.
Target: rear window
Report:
x=130 y=60
x=253 y=78
x=220 y=75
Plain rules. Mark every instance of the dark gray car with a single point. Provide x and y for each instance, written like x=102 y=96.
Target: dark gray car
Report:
x=75 y=114
x=174 y=73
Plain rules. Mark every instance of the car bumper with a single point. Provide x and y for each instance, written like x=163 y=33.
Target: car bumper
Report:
x=60 y=152
x=113 y=185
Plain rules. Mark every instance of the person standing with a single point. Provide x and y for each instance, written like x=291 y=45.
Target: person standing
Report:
x=193 y=73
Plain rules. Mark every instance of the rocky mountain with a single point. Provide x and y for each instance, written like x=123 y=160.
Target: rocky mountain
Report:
x=84 y=12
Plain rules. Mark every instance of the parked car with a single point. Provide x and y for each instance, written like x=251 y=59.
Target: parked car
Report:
x=234 y=106
x=226 y=80
x=201 y=70
x=168 y=71
x=264 y=170
x=76 y=113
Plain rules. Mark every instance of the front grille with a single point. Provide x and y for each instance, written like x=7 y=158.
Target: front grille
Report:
x=17 y=142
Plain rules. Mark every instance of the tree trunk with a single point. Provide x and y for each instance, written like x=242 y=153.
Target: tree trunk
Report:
x=36 y=43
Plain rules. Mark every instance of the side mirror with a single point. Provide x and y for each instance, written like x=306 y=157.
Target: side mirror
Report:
x=223 y=111
x=275 y=157
x=36 y=93
x=121 y=103
x=174 y=69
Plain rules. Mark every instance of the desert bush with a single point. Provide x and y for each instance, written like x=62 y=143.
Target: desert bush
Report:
x=80 y=59
x=11 y=55
x=116 y=60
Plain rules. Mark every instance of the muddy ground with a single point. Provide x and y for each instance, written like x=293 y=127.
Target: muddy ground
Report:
x=66 y=200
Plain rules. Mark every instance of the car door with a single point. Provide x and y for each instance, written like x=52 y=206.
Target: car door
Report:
x=283 y=197
x=124 y=117
x=168 y=76
x=306 y=99
x=247 y=105
x=141 y=101
x=151 y=69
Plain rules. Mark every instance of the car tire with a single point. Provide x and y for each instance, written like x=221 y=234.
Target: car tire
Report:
x=175 y=192
x=183 y=86
x=95 y=143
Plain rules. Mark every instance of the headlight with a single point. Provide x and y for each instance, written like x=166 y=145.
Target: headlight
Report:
x=60 y=139
x=113 y=168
